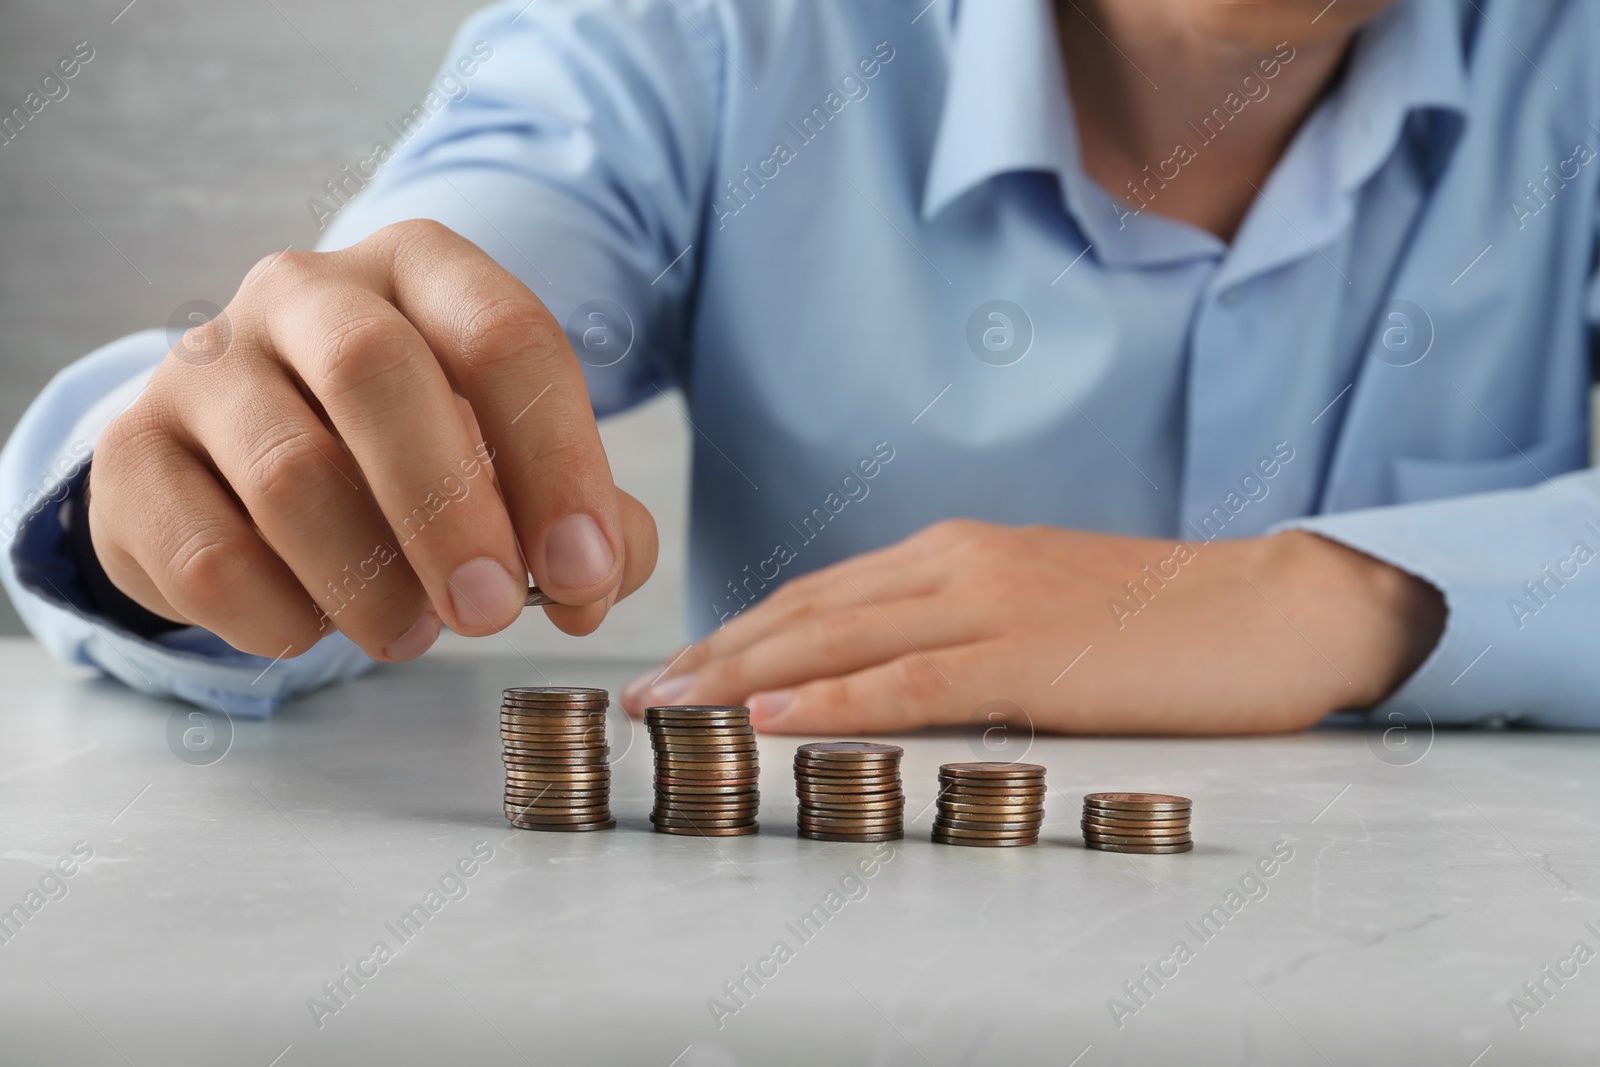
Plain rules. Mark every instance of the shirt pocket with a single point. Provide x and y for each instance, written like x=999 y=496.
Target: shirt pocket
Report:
x=1417 y=480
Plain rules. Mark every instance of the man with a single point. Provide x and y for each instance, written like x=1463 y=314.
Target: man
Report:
x=1288 y=303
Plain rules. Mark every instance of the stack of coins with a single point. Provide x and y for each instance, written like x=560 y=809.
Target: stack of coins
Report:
x=994 y=805
x=1136 y=822
x=557 y=777
x=706 y=770
x=849 y=791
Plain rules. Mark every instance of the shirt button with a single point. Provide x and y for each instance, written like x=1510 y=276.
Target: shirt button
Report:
x=1230 y=297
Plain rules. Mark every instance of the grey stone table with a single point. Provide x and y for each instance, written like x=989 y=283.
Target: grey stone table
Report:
x=225 y=913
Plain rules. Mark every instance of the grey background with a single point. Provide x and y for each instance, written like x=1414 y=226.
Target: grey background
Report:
x=184 y=151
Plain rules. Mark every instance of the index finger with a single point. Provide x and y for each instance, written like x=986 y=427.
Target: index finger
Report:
x=508 y=356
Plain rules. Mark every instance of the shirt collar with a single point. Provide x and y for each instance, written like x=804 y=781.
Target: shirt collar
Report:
x=1409 y=61
x=1006 y=104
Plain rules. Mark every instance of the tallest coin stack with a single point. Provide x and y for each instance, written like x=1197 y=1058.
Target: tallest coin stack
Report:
x=557 y=777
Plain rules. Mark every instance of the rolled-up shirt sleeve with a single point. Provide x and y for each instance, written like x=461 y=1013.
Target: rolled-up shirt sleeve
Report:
x=1520 y=574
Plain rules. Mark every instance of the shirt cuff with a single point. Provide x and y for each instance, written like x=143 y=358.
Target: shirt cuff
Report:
x=149 y=653
x=1519 y=573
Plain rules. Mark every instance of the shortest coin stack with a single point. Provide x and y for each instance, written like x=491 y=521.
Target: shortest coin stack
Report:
x=1136 y=822
x=993 y=805
x=849 y=791
x=707 y=770
x=557 y=777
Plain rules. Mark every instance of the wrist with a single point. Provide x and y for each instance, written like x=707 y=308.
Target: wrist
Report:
x=1375 y=622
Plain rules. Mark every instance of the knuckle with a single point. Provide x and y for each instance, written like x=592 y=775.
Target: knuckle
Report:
x=914 y=680
x=410 y=235
x=129 y=437
x=292 y=266
x=795 y=596
x=841 y=632
x=499 y=331
x=724 y=679
x=203 y=572
x=947 y=532
x=832 y=696
x=361 y=350
x=281 y=472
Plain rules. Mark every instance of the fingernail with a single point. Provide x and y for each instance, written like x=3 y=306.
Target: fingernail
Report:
x=415 y=641
x=770 y=707
x=669 y=689
x=484 y=595
x=576 y=553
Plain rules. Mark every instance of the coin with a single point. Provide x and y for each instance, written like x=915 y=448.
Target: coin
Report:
x=535 y=791
x=981 y=829
x=719 y=762
x=551 y=789
x=731 y=754
x=898 y=804
x=958 y=806
x=852 y=826
x=1117 y=839
x=546 y=815
x=708 y=831
x=743 y=742
x=984 y=842
x=561 y=775
x=549 y=807
x=701 y=714
x=552 y=724
x=862 y=780
x=1022 y=830
x=555 y=692
x=537 y=764
x=846 y=772
x=997 y=817
x=741 y=813
x=818 y=835
x=846 y=785
x=991 y=770
x=567 y=732
x=1139 y=801
x=672 y=774
x=852 y=751
x=698 y=820
x=1105 y=846
x=1101 y=826
x=745 y=798
x=609 y=824
x=703 y=735
x=850 y=822
x=1019 y=788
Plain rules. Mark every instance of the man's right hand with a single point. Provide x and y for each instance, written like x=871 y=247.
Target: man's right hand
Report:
x=316 y=458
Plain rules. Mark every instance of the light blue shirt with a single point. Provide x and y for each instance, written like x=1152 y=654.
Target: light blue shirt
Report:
x=859 y=237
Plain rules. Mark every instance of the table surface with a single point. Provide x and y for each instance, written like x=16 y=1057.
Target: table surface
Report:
x=1427 y=882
